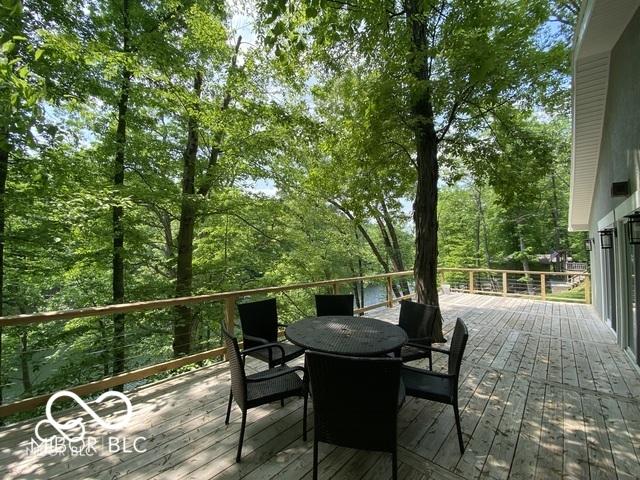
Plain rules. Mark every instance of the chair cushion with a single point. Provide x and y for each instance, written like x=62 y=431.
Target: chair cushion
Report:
x=424 y=384
x=290 y=352
x=275 y=388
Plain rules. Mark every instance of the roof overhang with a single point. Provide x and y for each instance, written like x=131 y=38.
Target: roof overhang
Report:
x=600 y=25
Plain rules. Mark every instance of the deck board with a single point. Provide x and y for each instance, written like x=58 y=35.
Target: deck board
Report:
x=544 y=392
x=576 y=457
x=525 y=459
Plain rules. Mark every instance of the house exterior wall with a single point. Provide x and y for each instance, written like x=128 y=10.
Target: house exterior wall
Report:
x=619 y=161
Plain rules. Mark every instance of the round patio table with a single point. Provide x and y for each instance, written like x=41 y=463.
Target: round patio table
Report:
x=343 y=335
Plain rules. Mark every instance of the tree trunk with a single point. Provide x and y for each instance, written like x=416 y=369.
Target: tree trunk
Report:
x=355 y=286
x=425 y=207
x=4 y=168
x=360 y=283
x=387 y=243
x=525 y=261
x=485 y=237
x=556 y=223
x=378 y=254
x=356 y=293
x=117 y=209
x=12 y=25
x=482 y=232
x=396 y=252
x=183 y=324
x=478 y=225
x=374 y=249
x=24 y=364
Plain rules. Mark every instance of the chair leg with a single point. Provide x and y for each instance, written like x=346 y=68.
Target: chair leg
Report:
x=394 y=464
x=304 y=418
x=315 y=459
x=244 y=422
x=430 y=362
x=226 y=422
x=457 y=415
x=282 y=402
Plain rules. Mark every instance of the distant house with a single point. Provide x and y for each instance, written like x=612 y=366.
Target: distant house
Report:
x=605 y=169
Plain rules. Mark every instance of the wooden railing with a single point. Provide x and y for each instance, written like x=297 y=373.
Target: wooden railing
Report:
x=541 y=285
x=475 y=283
x=228 y=299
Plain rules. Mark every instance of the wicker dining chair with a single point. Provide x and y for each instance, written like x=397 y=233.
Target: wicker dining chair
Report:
x=355 y=403
x=260 y=388
x=327 y=305
x=259 y=322
x=440 y=387
x=417 y=319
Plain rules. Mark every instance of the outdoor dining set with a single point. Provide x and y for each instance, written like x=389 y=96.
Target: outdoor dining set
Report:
x=354 y=369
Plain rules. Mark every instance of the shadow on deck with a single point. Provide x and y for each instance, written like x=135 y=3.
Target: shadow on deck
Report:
x=545 y=392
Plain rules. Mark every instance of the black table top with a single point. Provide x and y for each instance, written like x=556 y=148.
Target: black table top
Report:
x=342 y=335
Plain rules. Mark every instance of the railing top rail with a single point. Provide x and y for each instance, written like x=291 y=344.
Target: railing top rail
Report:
x=521 y=272
x=41 y=317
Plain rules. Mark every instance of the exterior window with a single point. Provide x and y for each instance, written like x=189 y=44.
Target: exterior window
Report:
x=633 y=330
x=609 y=286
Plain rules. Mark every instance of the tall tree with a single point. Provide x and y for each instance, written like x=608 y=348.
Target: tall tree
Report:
x=425 y=206
x=20 y=92
x=117 y=211
x=184 y=273
x=184 y=324
x=453 y=61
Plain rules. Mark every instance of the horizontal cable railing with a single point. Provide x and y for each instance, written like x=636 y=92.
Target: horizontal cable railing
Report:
x=48 y=351
x=559 y=286
x=43 y=351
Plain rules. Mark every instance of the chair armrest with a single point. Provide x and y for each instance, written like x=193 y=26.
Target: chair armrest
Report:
x=255 y=339
x=426 y=340
x=440 y=374
x=427 y=372
x=247 y=351
x=279 y=374
x=429 y=347
x=418 y=343
x=441 y=350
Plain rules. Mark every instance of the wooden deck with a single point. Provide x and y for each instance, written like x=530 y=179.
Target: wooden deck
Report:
x=545 y=393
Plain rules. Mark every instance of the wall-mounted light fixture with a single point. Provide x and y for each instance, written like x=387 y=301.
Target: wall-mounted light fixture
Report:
x=606 y=238
x=588 y=244
x=633 y=228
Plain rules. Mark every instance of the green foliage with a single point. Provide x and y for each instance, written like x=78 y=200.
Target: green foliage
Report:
x=523 y=174
x=316 y=110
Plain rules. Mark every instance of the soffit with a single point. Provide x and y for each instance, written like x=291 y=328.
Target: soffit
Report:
x=600 y=26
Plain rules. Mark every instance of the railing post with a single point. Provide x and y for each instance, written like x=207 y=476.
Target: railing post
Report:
x=229 y=316
x=230 y=313
x=471 y=289
x=442 y=279
x=587 y=290
x=505 y=284
x=543 y=286
x=334 y=285
x=389 y=291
